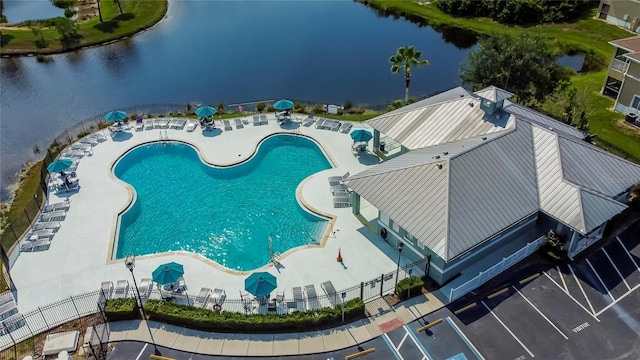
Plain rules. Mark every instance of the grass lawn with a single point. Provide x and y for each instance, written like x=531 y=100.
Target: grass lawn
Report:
x=587 y=35
x=137 y=15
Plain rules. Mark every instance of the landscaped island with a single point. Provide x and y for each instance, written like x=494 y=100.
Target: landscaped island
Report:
x=115 y=20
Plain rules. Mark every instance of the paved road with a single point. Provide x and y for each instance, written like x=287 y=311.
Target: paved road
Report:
x=583 y=310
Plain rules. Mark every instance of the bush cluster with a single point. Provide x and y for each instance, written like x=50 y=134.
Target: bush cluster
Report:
x=409 y=287
x=518 y=11
x=225 y=321
x=121 y=309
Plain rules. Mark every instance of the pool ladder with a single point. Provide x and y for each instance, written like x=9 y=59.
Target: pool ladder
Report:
x=164 y=137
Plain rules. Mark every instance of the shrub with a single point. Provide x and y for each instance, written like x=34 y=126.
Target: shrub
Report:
x=356 y=110
x=260 y=106
x=70 y=12
x=318 y=109
x=299 y=107
x=121 y=309
x=225 y=321
x=409 y=287
x=270 y=108
x=348 y=104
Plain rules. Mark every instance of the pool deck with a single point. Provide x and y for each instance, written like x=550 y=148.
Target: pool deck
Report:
x=78 y=259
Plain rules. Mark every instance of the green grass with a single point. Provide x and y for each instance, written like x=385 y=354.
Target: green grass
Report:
x=588 y=35
x=137 y=15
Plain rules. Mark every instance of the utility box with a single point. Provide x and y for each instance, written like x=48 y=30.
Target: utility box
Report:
x=332 y=109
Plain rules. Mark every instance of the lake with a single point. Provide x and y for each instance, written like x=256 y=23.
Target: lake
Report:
x=222 y=52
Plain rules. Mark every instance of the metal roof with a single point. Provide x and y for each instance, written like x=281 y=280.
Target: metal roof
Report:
x=448 y=121
x=597 y=209
x=494 y=94
x=448 y=95
x=526 y=114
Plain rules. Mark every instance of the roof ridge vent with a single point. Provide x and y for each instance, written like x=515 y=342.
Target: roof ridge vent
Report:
x=439 y=166
x=437 y=157
x=445 y=153
x=484 y=138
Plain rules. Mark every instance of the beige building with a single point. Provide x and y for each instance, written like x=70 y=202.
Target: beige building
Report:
x=624 y=13
x=622 y=82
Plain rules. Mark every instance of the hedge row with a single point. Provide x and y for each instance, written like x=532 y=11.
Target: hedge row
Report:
x=121 y=309
x=409 y=287
x=225 y=321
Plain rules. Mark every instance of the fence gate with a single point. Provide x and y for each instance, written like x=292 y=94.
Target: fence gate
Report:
x=96 y=342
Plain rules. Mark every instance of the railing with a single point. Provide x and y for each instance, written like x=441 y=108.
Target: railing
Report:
x=496 y=269
x=620 y=65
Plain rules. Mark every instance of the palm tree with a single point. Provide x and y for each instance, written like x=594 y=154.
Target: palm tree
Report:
x=404 y=59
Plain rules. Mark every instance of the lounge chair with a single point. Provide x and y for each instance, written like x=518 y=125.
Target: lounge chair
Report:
x=122 y=288
x=178 y=124
x=89 y=141
x=41 y=234
x=227 y=125
x=139 y=123
x=39 y=245
x=338 y=188
x=336 y=180
x=218 y=296
x=336 y=126
x=328 y=288
x=55 y=225
x=298 y=298
x=12 y=323
x=247 y=302
x=346 y=127
x=81 y=146
x=149 y=124
x=62 y=205
x=7 y=310
x=76 y=154
x=328 y=123
x=308 y=121
x=202 y=298
x=99 y=136
x=256 y=120
x=161 y=123
x=145 y=287
x=312 y=297
x=106 y=287
x=53 y=216
x=320 y=123
x=192 y=125
x=239 y=124
x=341 y=202
x=263 y=119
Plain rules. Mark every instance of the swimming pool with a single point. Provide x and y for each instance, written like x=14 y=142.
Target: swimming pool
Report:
x=224 y=214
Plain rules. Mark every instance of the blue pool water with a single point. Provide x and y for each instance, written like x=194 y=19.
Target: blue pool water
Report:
x=224 y=214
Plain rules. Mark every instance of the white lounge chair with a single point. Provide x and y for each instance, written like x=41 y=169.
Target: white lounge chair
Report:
x=139 y=124
x=312 y=297
x=263 y=119
x=330 y=290
x=55 y=225
x=218 y=296
x=122 y=288
x=336 y=180
x=149 y=124
x=192 y=125
x=62 y=205
x=179 y=124
x=227 y=125
x=106 y=287
x=256 y=120
x=341 y=202
x=298 y=298
x=346 y=127
x=308 y=121
x=239 y=124
x=53 y=216
x=145 y=287
x=39 y=245
x=336 y=126
x=89 y=141
x=99 y=136
x=7 y=310
x=41 y=234
x=77 y=154
x=202 y=298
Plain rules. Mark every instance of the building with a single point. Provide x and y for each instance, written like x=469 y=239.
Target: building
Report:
x=624 y=13
x=476 y=172
x=622 y=81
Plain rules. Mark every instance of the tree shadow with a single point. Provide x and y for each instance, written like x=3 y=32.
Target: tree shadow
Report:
x=5 y=39
x=111 y=25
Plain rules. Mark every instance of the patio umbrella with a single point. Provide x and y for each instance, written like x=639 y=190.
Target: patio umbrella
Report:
x=361 y=135
x=260 y=283
x=283 y=104
x=205 y=111
x=116 y=115
x=167 y=273
x=60 y=165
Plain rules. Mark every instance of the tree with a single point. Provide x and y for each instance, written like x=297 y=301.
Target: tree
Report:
x=568 y=105
x=68 y=31
x=522 y=64
x=405 y=59
x=40 y=40
x=99 y=10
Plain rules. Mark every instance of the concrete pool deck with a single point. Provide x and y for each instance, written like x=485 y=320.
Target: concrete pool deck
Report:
x=78 y=260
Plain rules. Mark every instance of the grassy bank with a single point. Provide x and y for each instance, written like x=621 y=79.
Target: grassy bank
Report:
x=587 y=35
x=137 y=16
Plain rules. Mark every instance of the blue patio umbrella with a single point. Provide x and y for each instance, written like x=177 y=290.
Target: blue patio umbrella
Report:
x=283 y=104
x=167 y=273
x=115 y=115
x=60 y=165
x=205 y=111
x=361 y=136
x=260 y=283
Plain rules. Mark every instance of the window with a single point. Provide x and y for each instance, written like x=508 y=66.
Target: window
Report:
x=604 y=11
x=635 y=103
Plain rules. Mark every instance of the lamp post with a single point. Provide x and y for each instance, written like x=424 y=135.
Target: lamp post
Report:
x=400 y=247
x=130 y=263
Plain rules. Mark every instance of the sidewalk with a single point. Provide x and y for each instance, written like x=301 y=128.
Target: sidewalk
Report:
x=383 y=319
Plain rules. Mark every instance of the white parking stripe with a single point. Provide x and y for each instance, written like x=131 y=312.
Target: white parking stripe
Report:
x=620 y=298
x=600 y=279
x=464 y=338
x=141 y=351
x=403 y=339
x=506 y=328
x=628 y=253
x=418 y=344
x=393 y=347
x=593 y=311
x=615 y=267
x=564 y=283
x=571 y=296
x=540 y=312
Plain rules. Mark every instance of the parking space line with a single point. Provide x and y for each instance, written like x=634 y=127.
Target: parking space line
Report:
x=593 y=311
x=600 y=279
x=628 y=253
x=506 y=328
x=142 y=351
x=403 y=339
x=620 y=298
x=540 y=312
x=422 y=349
x=570 y=296
x=615 y=267
x=395 y=351
x=464 y=338
x=564 y=283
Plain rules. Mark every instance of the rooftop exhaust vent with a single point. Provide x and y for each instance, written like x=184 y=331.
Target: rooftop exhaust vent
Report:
x=437 y=156
x=484 y=138
x=439 y=166
x=446 y=153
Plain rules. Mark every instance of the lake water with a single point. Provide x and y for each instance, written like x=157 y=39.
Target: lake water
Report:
x=20 y=10
x=221 y=52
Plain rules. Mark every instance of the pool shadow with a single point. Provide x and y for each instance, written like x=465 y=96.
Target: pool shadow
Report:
x=290 y=125
x=121 y=136
x=212 y=132
x=368 y=159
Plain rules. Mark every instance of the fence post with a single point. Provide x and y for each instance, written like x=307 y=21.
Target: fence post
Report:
x=27 y=215
x=381 y=284
x=13 y=231
x=362 y=290
x=43 y=318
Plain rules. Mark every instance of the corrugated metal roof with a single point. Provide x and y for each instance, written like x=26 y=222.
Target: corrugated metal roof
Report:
x=448 y=95
x=597 y=209
x=449 y=121
x=629 y=44
x=593 y=168
x=494 y=94
x=526 y=114
x=558 y=198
